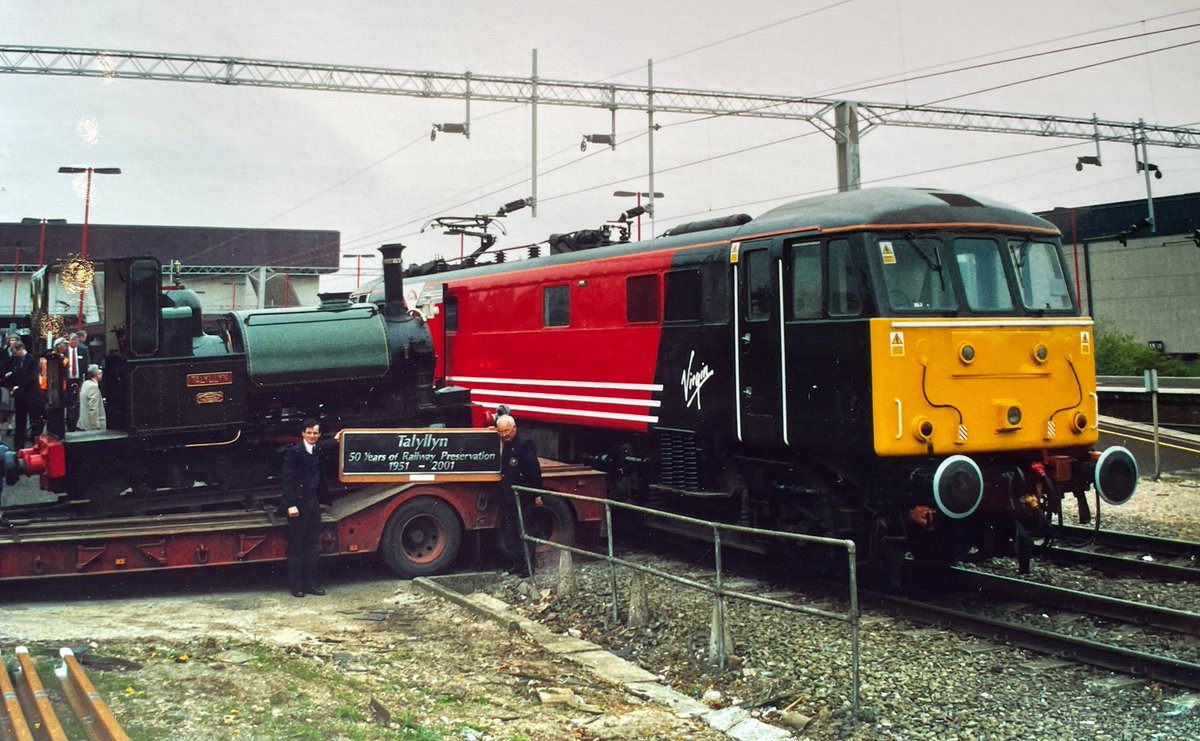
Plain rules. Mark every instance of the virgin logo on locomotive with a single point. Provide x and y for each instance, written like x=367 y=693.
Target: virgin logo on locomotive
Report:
x=692 y=381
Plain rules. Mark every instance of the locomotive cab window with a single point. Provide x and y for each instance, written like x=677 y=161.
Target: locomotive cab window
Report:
x=805 y=268
x=1040 y=276
x=916 y=276
x=845 y=296
x=556 y=306
x=641 y=298
x=981 y=269
x=758 y=285
x=683 y=296
x=451 y=313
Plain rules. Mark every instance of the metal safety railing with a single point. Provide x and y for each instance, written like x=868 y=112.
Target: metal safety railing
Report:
x=719 y=591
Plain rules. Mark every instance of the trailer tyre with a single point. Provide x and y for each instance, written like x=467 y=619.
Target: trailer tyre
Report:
x=552 y=519
x=422 y=538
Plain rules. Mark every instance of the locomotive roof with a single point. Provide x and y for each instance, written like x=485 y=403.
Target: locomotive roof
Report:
x=891 y=206
x=900 y=207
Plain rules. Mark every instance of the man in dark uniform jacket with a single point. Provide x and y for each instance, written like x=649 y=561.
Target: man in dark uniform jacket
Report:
x=519 y=467
x=303 y=481
x=26 y=392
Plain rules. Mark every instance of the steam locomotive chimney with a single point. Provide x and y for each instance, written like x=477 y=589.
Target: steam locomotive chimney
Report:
x=393 y=280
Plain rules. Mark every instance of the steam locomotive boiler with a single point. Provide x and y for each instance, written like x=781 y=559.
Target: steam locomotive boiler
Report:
x=908 y=368
x=203 y=416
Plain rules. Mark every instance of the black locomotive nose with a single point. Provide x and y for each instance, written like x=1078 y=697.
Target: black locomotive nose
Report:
x=957 y=487
x=1116 y=475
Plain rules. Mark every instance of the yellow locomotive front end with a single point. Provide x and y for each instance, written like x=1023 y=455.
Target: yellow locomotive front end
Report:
x=983 y=379
x=982 y=386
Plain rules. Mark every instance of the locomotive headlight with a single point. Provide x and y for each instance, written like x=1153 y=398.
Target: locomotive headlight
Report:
x=1008 y=414
x=1040 y=353
x=1079 y=422
x=966 y=353
x=922 y=429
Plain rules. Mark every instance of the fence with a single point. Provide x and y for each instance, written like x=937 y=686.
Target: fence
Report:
x=718 y=590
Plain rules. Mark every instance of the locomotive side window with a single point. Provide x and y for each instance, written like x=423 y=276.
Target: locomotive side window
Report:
x=683 y=296
x=556 y=306
x=805 y=267
x=915 y=275
x=714 y=293
x=1040 y=275
x=982 y=271
x=845 y=297
x=641 y=298
x=758 y=285
x=451 y=313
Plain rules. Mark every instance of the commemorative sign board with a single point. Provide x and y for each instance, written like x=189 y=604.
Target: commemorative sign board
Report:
x=412 y=455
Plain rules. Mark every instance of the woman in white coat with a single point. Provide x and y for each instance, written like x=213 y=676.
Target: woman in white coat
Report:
x=91 y=403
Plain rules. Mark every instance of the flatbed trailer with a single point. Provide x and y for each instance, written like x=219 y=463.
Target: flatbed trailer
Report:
x=417 y=529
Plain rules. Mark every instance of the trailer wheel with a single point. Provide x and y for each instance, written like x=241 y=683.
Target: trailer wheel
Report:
x=552 y=519
x=422 y=538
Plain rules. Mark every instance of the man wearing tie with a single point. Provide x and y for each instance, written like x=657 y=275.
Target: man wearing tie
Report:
x=303 y=482
x=78 y=359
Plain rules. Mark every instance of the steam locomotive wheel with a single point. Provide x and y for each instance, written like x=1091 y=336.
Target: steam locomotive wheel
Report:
x=422 y=538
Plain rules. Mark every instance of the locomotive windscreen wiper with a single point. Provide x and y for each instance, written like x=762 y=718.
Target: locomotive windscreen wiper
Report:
x=934 y=264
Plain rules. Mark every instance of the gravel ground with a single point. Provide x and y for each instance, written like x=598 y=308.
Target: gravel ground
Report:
x=227 y=653
x=916 y=682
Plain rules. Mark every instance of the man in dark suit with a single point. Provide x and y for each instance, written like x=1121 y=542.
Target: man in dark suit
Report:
x=519 y=467
x=303 y=482
x=27 y=394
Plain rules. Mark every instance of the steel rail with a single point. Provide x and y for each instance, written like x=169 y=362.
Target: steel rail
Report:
x=98 y=721
x=35 y=700
x=996 y=585
x=1116 y=658
x=1164 y=547
x=12 y=720
x=27 y=712
x=1114 y=563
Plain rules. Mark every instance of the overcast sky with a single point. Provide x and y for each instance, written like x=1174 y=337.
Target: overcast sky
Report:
x=213 y=155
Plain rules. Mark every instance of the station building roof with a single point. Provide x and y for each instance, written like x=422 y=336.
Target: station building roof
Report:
x=199 y=249
x=1102 y=222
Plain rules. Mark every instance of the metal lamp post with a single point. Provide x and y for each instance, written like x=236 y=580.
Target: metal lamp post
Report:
x=358 y=256
x=42 y=235
x=87 y=206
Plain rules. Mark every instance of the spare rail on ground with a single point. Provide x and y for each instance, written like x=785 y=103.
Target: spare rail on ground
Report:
x=27 y=713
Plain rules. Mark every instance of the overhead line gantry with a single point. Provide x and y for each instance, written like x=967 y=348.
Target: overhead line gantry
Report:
x=843 y=121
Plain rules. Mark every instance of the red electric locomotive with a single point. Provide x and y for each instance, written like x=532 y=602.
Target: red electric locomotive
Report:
x=905 y=367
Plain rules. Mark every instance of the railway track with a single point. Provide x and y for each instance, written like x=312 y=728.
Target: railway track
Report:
x=1116 y=552
x=1089 y=628
x=28 y=710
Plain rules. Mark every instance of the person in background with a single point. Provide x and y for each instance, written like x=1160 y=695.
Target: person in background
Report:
x=519 y=467
x=303 y=482
x=91 y=402
x=27 y=394
x=6 y=401
x=78 y=360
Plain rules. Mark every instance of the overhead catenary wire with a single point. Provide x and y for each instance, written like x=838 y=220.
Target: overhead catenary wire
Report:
x=386 y=230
